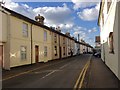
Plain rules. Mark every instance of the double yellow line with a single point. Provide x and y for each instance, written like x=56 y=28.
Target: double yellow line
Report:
x=81 y=77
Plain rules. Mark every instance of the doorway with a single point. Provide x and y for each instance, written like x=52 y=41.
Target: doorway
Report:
x=60 y=52
x=1 y=56
x=36 y=53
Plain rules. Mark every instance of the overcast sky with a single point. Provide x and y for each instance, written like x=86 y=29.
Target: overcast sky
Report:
x=75 y=17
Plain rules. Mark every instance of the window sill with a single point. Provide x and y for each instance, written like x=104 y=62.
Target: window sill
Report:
x=111 y=52
x=55 y=54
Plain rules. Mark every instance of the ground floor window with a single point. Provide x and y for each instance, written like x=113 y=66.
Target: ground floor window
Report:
x=111 y=42
x=45 y=51
x=68 y=51
x=55 y=50
x=23 y=51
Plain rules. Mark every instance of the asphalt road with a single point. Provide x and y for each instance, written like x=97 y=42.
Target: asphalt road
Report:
x=60 y=74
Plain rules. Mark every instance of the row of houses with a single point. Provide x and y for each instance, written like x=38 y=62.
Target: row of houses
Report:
x=109 y=23
x=25 y=41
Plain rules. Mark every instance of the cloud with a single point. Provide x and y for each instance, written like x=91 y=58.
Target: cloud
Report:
x=23 y=9
x=84 y=33
x=92 y=30
x=89 y=14
x=83 y=4
x=54 y=16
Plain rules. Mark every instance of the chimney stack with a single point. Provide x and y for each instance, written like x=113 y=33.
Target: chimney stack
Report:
x=40 y=19
x=67 y=33
x=58 y=29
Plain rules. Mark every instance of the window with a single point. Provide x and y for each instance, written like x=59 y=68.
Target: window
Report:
x=111 y=42
x=103 y=18
x=45 y=51
x=45 y=35
x=23 y=51
x=68 y=51
x=63 y=40
x=25 y=30
x=55 y=50
x=108 y=5
x=55 y=38
x=63 y=50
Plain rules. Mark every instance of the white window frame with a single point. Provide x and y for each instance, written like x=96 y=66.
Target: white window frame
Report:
x=25 y=29
x=23 y=51
x=45 y=51
x=45 y=35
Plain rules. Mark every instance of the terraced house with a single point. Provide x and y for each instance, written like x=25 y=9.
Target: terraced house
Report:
x=25 y=41
x=109 y=21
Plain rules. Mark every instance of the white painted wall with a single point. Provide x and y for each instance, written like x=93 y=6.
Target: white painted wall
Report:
x=3 y=28
x=110 y=25
x=118 y=40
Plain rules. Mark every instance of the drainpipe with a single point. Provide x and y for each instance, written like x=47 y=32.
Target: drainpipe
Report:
x=59 y=48
x=31 y=44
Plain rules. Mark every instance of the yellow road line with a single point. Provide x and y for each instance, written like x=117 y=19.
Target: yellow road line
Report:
x=26 y=72
x=83 y=77
x=77 y=82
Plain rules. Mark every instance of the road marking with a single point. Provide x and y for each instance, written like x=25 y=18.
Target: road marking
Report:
x=64 y=66
x=67 y=64
x=49 y=74
x=44 y=71
x=28 y=71
x=81 y=77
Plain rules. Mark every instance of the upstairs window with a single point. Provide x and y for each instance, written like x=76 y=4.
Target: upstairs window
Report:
x=111 y=42
x=55 y=38
x=25 y=30
x=45 y=35
x=108 y=5
x=63 y=40
x=103 y=18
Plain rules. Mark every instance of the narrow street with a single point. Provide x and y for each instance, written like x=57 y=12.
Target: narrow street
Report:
x=71 y=44
x=61 y=74
x=55 y=74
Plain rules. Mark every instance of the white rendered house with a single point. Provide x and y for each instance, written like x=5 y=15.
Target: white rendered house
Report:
x=109 y=23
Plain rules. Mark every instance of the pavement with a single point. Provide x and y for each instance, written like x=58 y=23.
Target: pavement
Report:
x=100 y=76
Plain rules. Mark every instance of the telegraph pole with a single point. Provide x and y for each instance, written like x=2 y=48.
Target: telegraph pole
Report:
x=78 y=37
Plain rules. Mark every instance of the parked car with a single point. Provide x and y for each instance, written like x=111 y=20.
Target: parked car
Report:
x=97 y=54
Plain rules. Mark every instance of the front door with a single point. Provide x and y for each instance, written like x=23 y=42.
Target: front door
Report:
x=60 y=52
x=36 y=53
x=1 y=56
